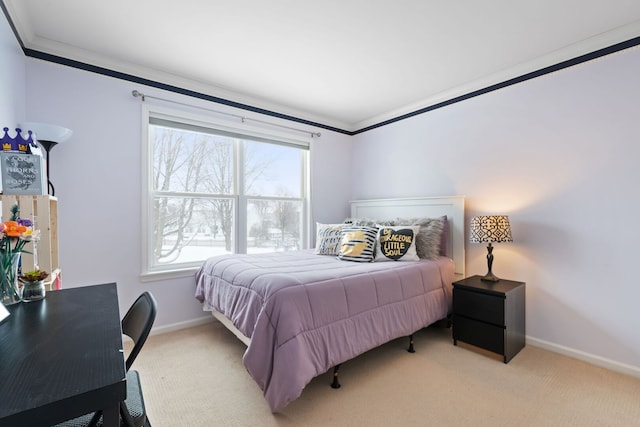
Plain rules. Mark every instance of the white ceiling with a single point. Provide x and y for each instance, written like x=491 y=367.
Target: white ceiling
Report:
x=342 y=63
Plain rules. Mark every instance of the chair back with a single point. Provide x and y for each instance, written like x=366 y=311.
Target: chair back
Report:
x=137 y=323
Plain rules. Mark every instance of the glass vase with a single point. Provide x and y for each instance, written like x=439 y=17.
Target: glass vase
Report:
x=9 y=291
x=33 y=291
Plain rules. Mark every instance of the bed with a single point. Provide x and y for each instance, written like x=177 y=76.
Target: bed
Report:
x=301 y=313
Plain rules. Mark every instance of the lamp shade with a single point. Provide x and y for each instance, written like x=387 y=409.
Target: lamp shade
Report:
x=48 y=136
x=47 y=132
x=493 y=228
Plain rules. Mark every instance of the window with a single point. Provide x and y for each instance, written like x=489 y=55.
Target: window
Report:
x=213 y=189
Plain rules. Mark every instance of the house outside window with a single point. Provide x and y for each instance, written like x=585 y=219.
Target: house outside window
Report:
x=213 y=188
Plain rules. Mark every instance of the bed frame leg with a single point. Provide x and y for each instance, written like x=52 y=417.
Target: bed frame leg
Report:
x=335 y=383
x=411 y=349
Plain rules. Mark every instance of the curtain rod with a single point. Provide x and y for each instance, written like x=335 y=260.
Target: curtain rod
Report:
x=142 y=96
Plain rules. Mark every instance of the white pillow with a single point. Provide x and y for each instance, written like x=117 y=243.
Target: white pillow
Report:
x=328 y=238
x=397 y=243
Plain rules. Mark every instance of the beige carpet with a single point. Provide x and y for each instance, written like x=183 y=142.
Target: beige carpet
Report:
x=195 y=377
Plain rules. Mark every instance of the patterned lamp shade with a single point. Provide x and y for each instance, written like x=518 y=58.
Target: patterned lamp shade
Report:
x=490 y=229
x=494 y=228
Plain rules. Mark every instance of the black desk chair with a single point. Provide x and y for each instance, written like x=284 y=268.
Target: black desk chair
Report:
x=136 y=324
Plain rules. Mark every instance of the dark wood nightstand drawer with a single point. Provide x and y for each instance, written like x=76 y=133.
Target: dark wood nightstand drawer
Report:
x=490 y=315
x=488 y=308
x=484 y=335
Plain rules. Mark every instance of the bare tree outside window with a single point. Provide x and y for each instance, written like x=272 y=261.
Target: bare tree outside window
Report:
x=173 y=154
x=195 y=194
x=220 y=180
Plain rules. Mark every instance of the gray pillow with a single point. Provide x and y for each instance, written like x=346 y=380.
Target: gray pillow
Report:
x=367 y=222
x=430 y=236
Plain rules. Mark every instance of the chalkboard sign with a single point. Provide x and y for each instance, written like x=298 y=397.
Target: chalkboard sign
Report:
x=22 y=174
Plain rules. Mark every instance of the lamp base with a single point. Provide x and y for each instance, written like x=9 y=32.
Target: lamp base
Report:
x=490 y=278
x=48 y=145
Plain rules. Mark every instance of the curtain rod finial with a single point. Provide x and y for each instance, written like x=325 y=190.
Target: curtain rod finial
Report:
x=136 y=94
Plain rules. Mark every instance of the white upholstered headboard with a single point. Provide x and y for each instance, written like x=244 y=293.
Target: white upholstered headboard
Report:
x=421 y=207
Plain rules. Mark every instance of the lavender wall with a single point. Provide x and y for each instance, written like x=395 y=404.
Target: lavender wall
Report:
x=97 y=175
x=559 y=154
x=12 y=80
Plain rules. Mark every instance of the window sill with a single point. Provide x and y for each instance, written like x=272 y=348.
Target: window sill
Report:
x=168 y=274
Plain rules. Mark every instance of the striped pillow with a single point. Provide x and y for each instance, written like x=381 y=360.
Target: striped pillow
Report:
x=358 y=243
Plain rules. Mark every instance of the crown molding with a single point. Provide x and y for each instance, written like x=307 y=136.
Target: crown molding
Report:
x=586 y=50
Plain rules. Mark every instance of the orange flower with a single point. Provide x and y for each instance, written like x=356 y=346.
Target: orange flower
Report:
x=13 y=229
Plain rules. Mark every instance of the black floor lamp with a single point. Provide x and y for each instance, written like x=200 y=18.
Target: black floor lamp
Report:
x=48 y=136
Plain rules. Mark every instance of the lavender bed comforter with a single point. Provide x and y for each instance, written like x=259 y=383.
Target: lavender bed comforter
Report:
x=306 y=313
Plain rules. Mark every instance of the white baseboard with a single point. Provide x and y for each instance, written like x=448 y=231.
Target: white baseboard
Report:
x=182 y=325
x=612 y=365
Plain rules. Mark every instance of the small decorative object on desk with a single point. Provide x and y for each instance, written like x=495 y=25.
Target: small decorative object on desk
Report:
x=14 y=234
x=9 y=291
x=33 y=288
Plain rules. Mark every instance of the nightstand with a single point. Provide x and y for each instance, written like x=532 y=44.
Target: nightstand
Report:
x=490 y=315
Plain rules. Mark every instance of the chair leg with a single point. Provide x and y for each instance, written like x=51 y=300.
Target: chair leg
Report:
x=95 y=419
x=126 y=416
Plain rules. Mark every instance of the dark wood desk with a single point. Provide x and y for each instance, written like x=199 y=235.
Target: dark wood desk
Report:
x=62 y=357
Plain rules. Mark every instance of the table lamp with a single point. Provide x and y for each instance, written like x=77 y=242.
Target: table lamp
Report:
x=48 y=136
x=488 y=229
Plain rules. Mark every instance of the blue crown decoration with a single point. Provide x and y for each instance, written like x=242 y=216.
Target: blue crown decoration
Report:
x=18 y=143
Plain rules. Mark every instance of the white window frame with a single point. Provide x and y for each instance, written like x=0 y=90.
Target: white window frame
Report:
x=150 y=273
